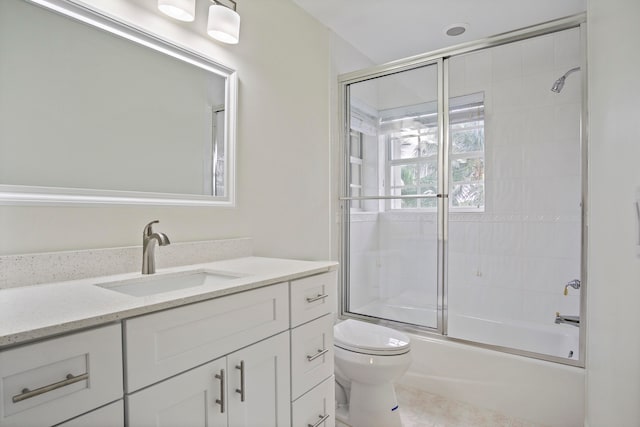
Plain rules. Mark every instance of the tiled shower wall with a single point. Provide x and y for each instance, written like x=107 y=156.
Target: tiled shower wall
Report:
x=511 y=261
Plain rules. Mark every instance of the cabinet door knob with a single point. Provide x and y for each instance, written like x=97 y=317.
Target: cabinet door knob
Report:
x=323 y=418
x=220 y=401
x=241 y=390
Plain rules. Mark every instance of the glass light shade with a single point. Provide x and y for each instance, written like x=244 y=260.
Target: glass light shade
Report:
x=224 y=24
x=182 y=10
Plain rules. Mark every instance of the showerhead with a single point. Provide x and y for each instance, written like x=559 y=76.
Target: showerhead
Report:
x=559 y=84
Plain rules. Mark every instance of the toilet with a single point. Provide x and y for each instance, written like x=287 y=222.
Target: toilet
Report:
x=368 y=358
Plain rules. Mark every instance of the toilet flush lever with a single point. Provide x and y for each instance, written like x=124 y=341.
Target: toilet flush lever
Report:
x=318 y=354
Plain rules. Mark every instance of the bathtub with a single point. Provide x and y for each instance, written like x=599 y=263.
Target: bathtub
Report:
x=538 y=391
x=547 y=393
x=555 y=340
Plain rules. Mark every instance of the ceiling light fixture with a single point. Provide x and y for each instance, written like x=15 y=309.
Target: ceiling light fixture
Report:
x=182 y=10
x=224 y=22
x=454 y=30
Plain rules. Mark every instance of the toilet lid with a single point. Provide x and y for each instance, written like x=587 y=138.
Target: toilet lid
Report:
x=368 y=338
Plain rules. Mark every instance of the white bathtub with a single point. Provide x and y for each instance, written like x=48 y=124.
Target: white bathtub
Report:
x=534 y=390
x=554 y=340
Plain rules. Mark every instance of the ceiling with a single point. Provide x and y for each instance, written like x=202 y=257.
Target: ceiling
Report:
x=385 y=30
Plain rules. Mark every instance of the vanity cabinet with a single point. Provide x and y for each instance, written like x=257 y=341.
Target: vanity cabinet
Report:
x=260 y=357
x=240 y=349
x=249 y=387
x=48 y=382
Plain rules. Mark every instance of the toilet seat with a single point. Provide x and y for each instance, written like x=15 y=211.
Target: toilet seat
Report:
x=367 y=338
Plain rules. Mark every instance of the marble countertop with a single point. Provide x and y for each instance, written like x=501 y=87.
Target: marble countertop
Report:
x=38 y=311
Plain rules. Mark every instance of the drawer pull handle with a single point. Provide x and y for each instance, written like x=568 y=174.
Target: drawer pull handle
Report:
x=317 y=298
x=241 y=389
x=323 y=418
x=220 y=401
x=28 y=394
x=318 y=354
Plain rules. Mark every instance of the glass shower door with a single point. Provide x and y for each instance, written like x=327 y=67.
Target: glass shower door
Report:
x=515 y=218
x=392 y=167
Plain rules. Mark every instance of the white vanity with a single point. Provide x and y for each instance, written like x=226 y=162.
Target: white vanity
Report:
x=254 y=350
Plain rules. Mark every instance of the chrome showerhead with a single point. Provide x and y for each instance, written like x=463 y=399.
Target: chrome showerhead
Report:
x=559 y=84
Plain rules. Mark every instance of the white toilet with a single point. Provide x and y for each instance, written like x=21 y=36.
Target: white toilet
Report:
x=368 y=358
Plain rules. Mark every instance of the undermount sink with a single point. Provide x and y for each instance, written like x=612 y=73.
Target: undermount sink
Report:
x=152 y=285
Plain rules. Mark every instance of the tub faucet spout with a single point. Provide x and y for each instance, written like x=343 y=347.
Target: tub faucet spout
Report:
x=149 y=240
x=567 y=320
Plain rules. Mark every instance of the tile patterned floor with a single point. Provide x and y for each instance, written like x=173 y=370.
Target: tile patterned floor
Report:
x=422 y=409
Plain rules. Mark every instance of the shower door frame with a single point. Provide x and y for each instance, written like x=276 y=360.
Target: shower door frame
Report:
x=440 y=58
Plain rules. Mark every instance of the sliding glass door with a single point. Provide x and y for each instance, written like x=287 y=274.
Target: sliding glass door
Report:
x=463 y=195
x=392 y=168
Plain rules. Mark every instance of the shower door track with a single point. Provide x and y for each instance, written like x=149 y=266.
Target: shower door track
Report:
x=440 y=58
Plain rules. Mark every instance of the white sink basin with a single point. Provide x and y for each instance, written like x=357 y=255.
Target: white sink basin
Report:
x=152 y=285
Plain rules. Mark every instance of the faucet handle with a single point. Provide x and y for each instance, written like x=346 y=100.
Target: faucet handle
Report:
x=575 y=284
x=148 y=229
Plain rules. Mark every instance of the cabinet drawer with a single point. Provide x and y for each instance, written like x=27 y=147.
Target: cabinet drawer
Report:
x=311 y=354
x=315 y=406
x=313 y=297
x=108 y=416
x=54 y=380
x=166 y=343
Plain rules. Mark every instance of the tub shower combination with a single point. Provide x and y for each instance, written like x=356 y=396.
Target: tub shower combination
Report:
x=463 y=191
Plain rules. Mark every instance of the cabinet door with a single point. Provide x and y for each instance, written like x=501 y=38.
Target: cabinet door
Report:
x=259 y=384
x=191 y=399
x=108 y=416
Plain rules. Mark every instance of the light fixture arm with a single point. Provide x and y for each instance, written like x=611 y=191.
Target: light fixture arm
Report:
x=233 y=6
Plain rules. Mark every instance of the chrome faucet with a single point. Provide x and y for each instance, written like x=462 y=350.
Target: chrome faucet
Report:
x=149 y=240
x=568 y=320
x=575 y=284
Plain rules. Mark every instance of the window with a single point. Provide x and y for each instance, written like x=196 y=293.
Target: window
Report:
x=356 y=165
x=411 y=139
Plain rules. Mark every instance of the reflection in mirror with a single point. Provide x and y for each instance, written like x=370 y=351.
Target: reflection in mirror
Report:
x=90 y=116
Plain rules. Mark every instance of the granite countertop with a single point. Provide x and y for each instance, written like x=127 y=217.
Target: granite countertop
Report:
x=38 y=311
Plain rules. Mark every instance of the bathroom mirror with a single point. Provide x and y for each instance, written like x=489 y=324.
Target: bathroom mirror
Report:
x=95 y=111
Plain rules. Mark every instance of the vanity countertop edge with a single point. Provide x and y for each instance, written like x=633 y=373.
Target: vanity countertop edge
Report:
x=39 y=311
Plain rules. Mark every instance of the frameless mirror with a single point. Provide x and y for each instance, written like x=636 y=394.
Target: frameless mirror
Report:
x=95 y=111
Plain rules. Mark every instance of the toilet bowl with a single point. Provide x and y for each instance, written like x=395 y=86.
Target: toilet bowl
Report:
x=368 y=358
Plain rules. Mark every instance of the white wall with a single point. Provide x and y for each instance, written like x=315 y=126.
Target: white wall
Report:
x=283 y=146
x=613 y=344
